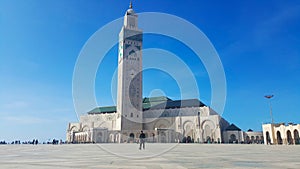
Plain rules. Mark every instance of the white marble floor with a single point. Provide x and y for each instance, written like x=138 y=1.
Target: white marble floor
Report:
x=154 y=157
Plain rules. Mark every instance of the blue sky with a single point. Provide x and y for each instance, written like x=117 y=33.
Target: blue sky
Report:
x=258 y=43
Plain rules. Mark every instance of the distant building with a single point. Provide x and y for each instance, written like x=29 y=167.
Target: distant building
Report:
x=253 y=137
x=233 y=134
x=162 y=119
x=280 y=133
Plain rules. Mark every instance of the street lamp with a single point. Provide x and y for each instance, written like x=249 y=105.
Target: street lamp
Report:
x=272 y=120
x=269 y=98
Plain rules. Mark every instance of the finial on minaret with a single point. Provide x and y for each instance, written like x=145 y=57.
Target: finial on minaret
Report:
x=130 y=5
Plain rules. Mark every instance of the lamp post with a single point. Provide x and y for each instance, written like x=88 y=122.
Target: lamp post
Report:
x=269 y=98
x=271 y=114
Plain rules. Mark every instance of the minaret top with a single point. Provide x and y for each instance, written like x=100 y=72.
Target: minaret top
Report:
x=130 y=18
x=130 y=11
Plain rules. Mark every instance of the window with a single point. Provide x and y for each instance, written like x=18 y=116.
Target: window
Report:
x=131 y=114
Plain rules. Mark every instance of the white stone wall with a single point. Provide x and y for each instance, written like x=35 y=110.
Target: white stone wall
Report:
x=281 y=133
x=186 y=122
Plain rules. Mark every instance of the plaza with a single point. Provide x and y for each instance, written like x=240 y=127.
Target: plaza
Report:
x=155 y=156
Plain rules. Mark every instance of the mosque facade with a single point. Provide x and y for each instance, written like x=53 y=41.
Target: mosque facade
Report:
x=162 y=119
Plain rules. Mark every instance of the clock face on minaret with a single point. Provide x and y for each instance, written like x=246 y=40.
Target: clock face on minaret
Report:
x=129 y=95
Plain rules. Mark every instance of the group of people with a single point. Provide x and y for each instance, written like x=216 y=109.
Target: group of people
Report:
x=54 y=141
x=3 y=142
x=33 y=142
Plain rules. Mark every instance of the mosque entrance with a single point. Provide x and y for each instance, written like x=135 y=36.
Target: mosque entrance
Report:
x=99 y=138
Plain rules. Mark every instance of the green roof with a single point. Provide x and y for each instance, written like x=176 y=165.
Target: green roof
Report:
x=156 y=99
x=148 y=102
x=107 y=109
x=153 y=102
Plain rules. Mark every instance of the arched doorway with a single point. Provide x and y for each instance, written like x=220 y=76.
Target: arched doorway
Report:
x=296 y=137
x=131 y=137
x=289 y=137
x=268 y=138
x=232 y=138
x=247 y=139
x=153 y=137
x=163 y=138
x=208 y=139
x=257 y=140
x=99 y=138
x=188 y=129
x=207 y=133
x=252 y=139
x=279 y=139
x=262 y=139
x=188 y=139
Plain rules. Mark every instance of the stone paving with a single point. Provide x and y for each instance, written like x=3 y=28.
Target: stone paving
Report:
x=155 y=156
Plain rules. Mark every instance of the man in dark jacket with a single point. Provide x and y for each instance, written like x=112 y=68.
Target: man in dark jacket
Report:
x=142 y=140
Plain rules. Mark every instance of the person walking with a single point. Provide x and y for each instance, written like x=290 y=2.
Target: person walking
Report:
x=142 y=140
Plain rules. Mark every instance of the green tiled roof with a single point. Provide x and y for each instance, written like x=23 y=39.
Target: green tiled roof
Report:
x=107 y=109
x=155 y=99
x=152 y=101
x=155 y=103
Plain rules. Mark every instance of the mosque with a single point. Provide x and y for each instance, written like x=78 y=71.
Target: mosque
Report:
x=162 y=119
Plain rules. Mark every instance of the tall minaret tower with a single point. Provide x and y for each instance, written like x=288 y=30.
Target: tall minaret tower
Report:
x=129 y=99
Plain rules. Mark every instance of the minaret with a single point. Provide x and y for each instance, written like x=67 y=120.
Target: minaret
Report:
x=129 y=99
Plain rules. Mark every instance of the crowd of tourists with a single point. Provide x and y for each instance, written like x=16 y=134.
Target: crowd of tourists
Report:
x=34 y=142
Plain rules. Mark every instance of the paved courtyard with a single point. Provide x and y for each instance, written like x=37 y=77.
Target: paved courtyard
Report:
x=154 y=157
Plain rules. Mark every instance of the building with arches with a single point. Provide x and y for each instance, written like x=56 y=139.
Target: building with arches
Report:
x=279 y=133
x=162 y=119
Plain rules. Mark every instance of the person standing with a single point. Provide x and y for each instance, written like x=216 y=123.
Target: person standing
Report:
x=142 y=140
